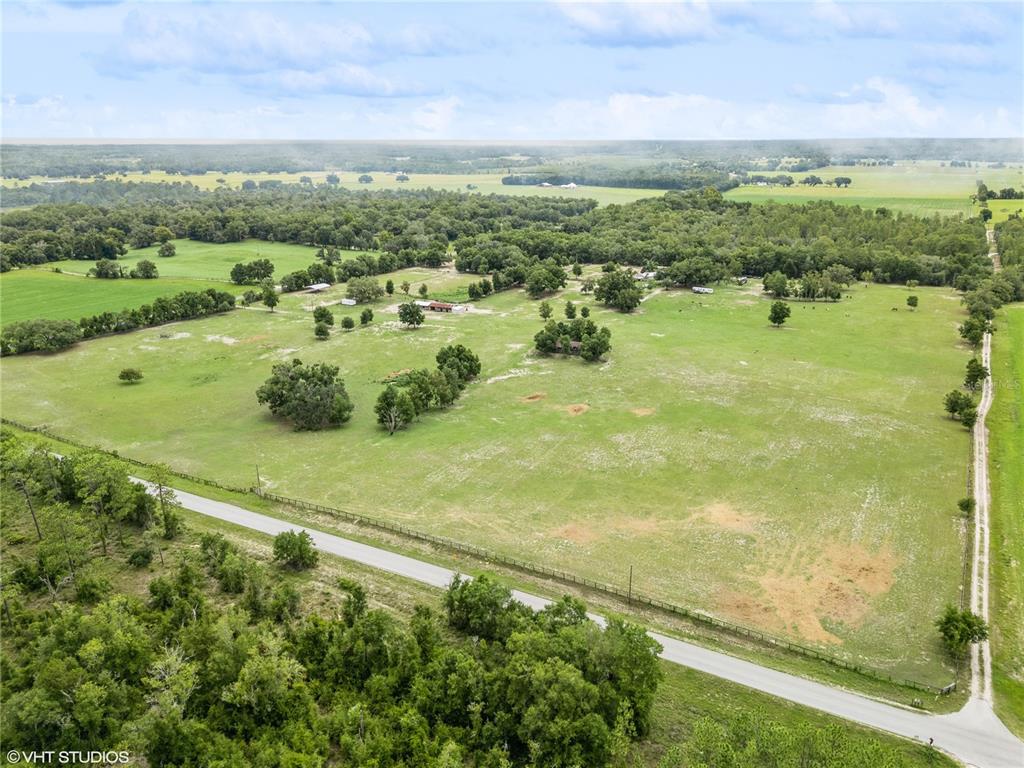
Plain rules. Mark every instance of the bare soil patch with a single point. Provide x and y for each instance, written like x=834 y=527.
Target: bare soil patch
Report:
x=576 y=409
x=643 y=411
x=576 y=533
x=836 y=583
x=533 y=398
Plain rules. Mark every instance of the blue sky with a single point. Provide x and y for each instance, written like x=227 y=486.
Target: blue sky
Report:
x=485 y=70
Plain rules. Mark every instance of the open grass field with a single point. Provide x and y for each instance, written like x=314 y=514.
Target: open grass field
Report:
x=801 y=480
x=923 y=188
x=485 y=183
x=212 y=261
x=1006 y=456
x=27 y=294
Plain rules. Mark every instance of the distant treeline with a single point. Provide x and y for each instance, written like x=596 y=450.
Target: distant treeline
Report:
x=60 y=160
x=391 y=221
x=510 y=235
x=661 y=176
x=55 y=335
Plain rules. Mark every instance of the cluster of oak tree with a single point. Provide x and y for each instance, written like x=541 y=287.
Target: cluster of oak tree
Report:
x=313 y=397
x=412 y=393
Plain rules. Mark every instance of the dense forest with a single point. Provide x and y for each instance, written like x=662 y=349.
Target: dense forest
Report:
x=656 y=176
x=62 y=160
x=520 y=232
x=214 y=658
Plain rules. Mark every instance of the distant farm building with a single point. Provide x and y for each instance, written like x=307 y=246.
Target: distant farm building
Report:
x=702 y=289
x=318 y=287
x=442 y=306
x=349 y=302
x=570 y=185
x=645 y=275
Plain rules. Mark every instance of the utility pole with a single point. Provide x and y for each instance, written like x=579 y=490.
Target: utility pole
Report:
x=259 y=483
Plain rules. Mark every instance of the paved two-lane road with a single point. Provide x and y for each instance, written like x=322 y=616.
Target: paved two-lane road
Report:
x=973 y=735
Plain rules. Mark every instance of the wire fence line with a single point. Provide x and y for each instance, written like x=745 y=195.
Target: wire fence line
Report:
x=481 y=553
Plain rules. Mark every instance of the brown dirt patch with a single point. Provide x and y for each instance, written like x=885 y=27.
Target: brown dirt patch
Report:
x=536 y=396
x=835 y=583
x=576 y=533
x=576 y=409
x=642 y=411
x=724 y=515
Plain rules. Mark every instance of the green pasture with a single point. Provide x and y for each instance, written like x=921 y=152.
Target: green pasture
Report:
x=485 y=183
x=1006 y=461
x=802 y=480
x=923 y=188
x=211 y=261
x=27 y=294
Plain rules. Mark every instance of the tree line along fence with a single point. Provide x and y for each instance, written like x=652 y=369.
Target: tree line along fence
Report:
x=629 y=595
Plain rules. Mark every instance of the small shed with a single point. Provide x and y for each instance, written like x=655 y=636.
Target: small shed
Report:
x=318 y=287
x=349 y=302
x=702 y=289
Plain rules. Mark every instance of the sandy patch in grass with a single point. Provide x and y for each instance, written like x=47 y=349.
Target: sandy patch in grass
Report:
x=576 y=533
x=576 y=409
x=254 y=339
x=643 y=411
x=724 y=515
x=533 y=398
x=514 y=373
x=176 y=336
x=229 y=340
x=835 y=584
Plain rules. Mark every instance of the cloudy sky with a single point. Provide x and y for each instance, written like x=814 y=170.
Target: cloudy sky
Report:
x=486 y=70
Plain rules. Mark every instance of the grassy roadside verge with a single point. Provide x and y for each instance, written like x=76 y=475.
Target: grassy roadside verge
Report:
x=672 y=625
x=1006 y=462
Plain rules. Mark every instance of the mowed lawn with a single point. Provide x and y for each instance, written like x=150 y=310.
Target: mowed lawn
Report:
x=484 y=183
x=1006 y=457
x=27 y=294
x=213 y=261
x=802 y=480
x=923 y=188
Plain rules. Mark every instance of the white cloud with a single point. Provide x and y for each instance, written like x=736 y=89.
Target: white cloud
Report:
x=435 y=118
x=641 y=24
x=215 y=42
x=888 y=109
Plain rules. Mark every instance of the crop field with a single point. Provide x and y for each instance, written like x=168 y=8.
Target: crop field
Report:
x=1006 y=454
x=924 y=188
x=801 y=480
x=26 y=294
x=483 y=183
x=212 y=261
